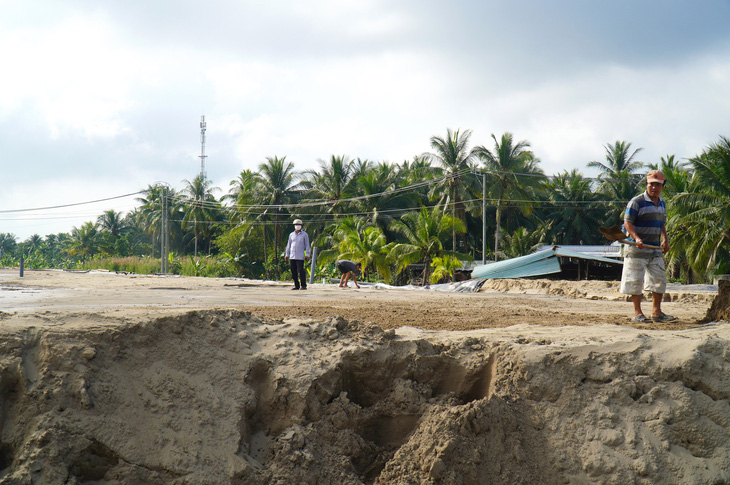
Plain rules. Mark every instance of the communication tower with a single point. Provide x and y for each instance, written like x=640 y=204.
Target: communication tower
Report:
x=203 y=156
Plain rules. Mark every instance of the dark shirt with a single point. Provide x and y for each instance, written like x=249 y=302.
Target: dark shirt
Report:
x=346 y=266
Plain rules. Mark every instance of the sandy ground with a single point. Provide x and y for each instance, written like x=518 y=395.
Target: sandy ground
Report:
x=112 y=378
x=500 y=303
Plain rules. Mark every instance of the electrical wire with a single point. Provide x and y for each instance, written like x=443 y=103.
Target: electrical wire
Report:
x=12 y=211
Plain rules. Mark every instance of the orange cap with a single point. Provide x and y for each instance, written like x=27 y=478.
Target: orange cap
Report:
x=655 y=176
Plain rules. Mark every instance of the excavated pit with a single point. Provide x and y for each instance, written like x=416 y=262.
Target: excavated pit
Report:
x=226 y=397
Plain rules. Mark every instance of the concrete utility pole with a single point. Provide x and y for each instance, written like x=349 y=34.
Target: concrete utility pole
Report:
x=484 y=218
x=164 y=230
x=203 y=156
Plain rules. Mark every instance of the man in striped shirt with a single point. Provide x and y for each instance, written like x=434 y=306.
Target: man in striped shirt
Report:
x=645 y=221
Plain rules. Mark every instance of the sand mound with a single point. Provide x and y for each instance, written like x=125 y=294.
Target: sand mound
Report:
x=226 y=397
x=720 y=308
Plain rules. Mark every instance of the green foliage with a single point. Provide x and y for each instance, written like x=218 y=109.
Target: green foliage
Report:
x=573 y=210
x=513 y=178
x=278 y=269
x=425 y=233
x=384 y=230
x=522 y=242
x=174 y=265
x=129 y=264
x=700 y=221
x=242 y=246
x=354 y=239
x=443 y=268
x=619 y=178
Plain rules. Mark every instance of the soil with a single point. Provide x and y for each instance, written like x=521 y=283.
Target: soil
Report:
x=114 y=378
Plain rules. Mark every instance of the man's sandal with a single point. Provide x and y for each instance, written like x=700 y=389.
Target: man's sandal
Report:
x=641 y=319
x=663 y=318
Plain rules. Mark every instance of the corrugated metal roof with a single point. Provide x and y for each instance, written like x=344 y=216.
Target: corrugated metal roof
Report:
x=535 y=264
x=607 y=251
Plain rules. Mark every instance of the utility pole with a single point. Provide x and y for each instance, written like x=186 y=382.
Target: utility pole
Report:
x=164 y=236
x=484 y=218
x=203 y=156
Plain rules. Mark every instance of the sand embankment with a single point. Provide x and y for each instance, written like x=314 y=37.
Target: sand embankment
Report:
x=123 y=379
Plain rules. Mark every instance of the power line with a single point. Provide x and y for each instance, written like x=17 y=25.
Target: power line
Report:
x=12 y=211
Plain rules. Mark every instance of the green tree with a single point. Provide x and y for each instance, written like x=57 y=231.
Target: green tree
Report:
x=522 y=242
x=618 y=177
x=243 y=194
x=354 y=239
x=700 y=228
x=676 y=175
x=418 y=171
x=85 y=241
x=202 y=209
x=458 y=164
x=444 y=267
x=278 y=188
x=8 y=244
x=573 y=213
x=335 y=180
x=111 y=222
x=677 y=180
x=425 y=232
x=513 y=175
x=149 y=216
x=379 y=194
x=30 y=250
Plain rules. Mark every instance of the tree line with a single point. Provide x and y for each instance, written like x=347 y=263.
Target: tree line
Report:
x=429 y=212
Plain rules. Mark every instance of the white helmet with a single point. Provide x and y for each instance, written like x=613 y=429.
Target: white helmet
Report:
x=298 y=221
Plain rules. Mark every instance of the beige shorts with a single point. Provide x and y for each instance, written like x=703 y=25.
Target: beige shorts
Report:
x=641 y=274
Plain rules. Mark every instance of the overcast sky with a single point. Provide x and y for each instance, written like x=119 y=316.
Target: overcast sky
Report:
x=100 y=99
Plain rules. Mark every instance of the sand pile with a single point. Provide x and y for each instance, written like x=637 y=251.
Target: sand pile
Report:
x=226 y=397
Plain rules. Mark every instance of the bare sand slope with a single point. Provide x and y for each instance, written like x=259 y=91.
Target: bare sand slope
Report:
x=126 y=379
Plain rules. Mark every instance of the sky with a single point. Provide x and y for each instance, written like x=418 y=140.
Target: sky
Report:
x=101 y=99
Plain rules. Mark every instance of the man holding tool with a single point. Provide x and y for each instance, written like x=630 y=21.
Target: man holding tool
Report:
x=645 y=221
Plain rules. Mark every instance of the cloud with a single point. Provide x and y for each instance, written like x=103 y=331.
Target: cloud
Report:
x=106 y=98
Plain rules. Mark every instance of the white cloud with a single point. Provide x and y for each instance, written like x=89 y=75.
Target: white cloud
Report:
x=107 y=97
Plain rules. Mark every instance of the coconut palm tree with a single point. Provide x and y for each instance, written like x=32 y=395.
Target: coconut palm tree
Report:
x=201 y=208
x=379 y=194
x=418 y=170
x=457 y=164
x=701 y=226
x=366 y=245
x=149 y=217
x=332 y=182
x=676 y=175
x=243 y=194
x=619 y=158
x=618 y=177
x=278 y=188
x=85 y=241
x=111 y=222
x=425 y=232
x=8 y=244
x=573 y=212
x=513 y=174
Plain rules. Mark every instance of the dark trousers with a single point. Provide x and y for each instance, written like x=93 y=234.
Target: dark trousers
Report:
x=298 y=273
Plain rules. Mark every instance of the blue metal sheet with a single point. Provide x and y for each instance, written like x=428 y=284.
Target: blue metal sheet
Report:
x=560 y=251
x=535 y=264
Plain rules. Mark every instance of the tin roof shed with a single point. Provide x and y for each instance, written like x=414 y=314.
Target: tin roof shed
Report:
x=540 y=263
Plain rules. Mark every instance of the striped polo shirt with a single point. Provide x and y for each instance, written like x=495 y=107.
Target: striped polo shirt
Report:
x=648 y=218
